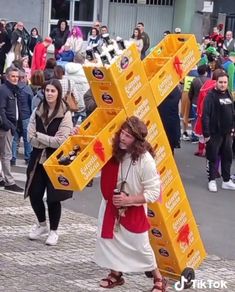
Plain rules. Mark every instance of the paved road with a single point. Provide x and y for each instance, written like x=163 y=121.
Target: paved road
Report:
x=31 y=266
x=27 y=266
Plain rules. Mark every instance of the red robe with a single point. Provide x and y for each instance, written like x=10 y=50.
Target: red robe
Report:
x=206 y=87
x=39 y=57
x=135 y=219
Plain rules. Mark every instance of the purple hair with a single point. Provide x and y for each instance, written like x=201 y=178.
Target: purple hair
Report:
x=78 y=32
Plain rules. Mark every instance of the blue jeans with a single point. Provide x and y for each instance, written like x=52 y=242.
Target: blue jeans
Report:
x=16 y=140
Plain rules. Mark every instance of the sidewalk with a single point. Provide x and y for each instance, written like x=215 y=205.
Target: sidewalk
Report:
x=32 y=266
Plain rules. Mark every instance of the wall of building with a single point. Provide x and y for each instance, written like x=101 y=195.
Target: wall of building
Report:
x=189 y=17
x=30 y=12
x=225 y=6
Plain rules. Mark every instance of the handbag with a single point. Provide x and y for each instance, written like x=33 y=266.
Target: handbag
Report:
x=70 y=99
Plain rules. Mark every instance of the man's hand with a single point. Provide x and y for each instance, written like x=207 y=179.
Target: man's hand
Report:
x=121 y=200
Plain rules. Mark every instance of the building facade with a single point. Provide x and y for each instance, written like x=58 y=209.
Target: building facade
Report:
x=120 y=16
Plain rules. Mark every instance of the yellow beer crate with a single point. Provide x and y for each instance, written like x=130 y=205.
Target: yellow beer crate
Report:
x=142 y=104
x=179 y=245
x=172 y=197
x=174 y=223
x=115 y=70
x=95 y=141
x=172 y=264
x=116 y=93
x=168 y=172
x=194 y=257
x=161 y=147
x=169 y=62
x=154 y=125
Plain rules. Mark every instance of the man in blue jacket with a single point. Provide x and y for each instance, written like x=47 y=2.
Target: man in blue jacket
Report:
x=9 y=115
x=25 y=96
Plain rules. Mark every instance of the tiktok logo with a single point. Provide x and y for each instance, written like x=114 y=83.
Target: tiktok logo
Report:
x=201 y=284
x=179 y=286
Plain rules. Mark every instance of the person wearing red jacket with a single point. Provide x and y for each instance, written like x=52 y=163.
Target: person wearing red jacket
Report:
x=40 y=55
x=217 y=37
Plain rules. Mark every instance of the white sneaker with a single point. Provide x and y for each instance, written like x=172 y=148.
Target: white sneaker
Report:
x=228 y=185
x=212 y=186
x=232 y=177
x=52 y=239
x=37 y=231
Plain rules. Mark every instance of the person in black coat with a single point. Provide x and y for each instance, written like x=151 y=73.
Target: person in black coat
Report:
x=33 y=40
x=59 y=35
x=9 y=114
x=19 y=41
x=169 y=113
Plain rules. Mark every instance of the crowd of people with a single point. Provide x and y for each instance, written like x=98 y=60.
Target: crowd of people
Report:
x=33 y=105
x=206 y=99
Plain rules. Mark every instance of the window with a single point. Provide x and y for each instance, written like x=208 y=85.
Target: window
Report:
x=83 y=10
x=148 y=2
x=77 y=12
x=60 y=9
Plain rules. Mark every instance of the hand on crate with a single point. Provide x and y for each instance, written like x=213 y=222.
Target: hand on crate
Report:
x=75 y=131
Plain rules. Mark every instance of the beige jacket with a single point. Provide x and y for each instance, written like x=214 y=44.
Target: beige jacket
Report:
x=42 y=141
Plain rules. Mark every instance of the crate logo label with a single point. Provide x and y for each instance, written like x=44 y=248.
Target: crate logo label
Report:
x=156 y=232
x=173 y=201
x=188 y=60
x=150 y=213
x=133 y=86
x=163 y=252
x=160 y=154
x=166 y=85
x=143 y=109
x=63 y=180
x=97 y=73
x=194 y=260
x=107 y=98
x=90 y=167
x=124 y=62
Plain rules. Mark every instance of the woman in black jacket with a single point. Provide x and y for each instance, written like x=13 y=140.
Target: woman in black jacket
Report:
x=59 y=35
x=50 y=125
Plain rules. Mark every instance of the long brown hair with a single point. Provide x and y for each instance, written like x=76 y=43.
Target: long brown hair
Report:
x=57 y=85
x=137 y=129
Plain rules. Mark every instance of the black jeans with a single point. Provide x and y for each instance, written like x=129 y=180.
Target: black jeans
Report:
x=219 y=146
x=39 y=185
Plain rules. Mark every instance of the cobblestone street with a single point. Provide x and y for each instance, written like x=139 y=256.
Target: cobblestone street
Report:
x=32 y=266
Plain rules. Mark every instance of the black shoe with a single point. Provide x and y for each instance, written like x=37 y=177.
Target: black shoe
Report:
x=185 y=136
x=14 y=189
x=26 y=161
x=90 y=184
x=13 y=162
x=194 y=139
x=2 y=184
